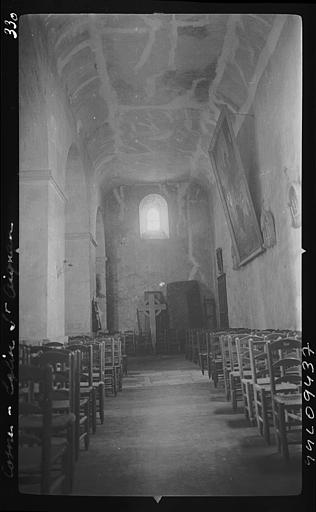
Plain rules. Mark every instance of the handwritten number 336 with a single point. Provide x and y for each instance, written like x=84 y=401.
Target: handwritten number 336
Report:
x=10 y=31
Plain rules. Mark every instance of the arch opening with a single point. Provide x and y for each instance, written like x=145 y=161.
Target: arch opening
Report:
x=153 y=217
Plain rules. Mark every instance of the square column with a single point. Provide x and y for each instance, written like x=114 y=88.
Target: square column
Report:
x=79 y=277
x=41 y=257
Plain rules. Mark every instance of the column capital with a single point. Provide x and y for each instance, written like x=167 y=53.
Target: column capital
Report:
x=31 y=175
x=81 y=235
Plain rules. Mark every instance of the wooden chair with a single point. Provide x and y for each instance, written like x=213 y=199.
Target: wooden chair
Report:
x=79 y=339
x=54 y=345
x=24 y=354
x=87 y=389
x=25 y=358
x=66 y=394
x=98 y=377
x=109 y=366
x=129 y=342
x=215 y=359
x=124 y=355
x=44 y=461
x=246 y=375
x=237 y=372
x=229 y=359
x=284 y=361
x=118 y=364
x=202 y=350
x=247 y=382
x=261 y=383
x=226 y=363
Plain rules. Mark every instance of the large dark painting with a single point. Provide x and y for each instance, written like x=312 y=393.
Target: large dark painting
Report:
x=234 y=192
x=184 y=305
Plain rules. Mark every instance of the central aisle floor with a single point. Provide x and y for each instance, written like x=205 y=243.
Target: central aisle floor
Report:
x=169 y=432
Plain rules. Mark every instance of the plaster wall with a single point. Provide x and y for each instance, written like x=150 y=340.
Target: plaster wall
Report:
x=77 y=283
x=56 y=266
x=137 y=265
x=32 y=106
x=46 y=125
x=33 y=251
x=265 y=293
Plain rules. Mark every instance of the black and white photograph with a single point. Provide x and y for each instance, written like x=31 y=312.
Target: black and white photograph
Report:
x=160 y=254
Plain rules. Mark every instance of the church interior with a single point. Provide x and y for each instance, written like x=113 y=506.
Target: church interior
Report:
x=160 y=254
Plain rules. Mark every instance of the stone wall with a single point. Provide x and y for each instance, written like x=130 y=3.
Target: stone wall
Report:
x=136 y=265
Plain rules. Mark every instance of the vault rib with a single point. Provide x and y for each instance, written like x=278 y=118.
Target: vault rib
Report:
x=107 y=92
x=154 y=25
x=263 y=60
x=62 y=63
x=82 y=85
x=70 y=32
x=176 y=104
x=147 y=50
x=227 y=54
x=174 y=42
x=242 y=75
x=100 y=162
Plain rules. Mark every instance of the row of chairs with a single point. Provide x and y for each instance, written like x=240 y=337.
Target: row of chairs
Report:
x=129 y=342
x=62 y=391
x=168 y=342
x=262 y=369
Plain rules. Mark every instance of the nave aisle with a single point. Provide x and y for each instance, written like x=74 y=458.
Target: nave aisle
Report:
x=171 y=433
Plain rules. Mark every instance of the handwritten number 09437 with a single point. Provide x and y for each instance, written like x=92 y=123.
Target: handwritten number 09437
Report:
x=11 y=31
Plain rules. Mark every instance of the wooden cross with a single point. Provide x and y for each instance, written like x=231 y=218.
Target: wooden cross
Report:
x=153 y=308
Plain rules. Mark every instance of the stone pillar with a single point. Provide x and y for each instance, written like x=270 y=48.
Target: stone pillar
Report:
x=41 y=257
x=101 y=288
x=80 y=247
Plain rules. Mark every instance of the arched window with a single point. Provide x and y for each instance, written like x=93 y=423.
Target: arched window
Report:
x=153 y=220
x=153 y=217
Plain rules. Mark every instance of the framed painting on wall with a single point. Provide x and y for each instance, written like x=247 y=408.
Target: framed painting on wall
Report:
x=234 y=192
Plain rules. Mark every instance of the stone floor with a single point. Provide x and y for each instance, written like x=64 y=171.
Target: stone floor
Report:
x=170 y=433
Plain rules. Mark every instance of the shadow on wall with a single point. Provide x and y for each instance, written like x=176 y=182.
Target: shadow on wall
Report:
x=190 y=305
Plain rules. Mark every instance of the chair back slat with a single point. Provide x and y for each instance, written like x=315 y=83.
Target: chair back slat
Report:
x=284 y=361
x=243 y=355
x=39 y=378
x=85 y=361
x=24 y=354
x=63 y=365
x=258 y=357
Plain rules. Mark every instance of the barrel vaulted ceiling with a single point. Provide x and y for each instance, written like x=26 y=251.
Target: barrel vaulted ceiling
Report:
x=145 y=89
